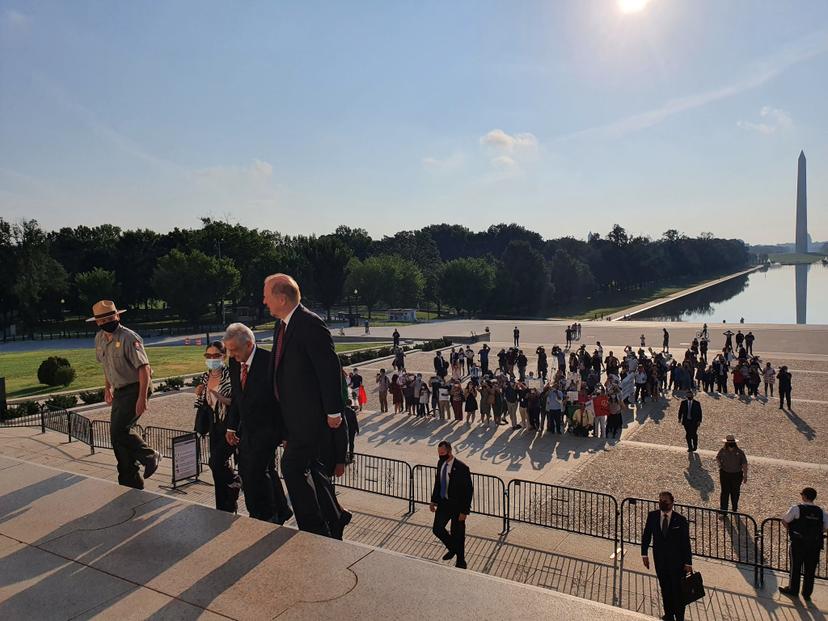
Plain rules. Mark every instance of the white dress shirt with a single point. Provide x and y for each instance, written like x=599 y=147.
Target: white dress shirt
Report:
x=249 y=363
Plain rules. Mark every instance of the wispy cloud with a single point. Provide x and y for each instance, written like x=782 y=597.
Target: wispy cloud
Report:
x=804 y=49
x=453 y=162
x=499 y=139
x=16 y=19
x=771 y=120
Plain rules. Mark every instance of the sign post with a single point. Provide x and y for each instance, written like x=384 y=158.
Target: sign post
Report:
x=186 y=464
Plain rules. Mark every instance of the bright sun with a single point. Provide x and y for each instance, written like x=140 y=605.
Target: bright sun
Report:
x=632 y=6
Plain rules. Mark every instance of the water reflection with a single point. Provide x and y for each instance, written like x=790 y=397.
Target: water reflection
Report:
x=802 y=292
x=778 y=294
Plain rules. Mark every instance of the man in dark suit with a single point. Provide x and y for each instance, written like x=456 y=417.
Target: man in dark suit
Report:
x=690 y=416
x=306 y=381
x=669 y=533
x=254 y=424
x=451 y=500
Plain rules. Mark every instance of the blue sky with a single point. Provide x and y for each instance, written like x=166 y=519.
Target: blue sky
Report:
x=564 y=116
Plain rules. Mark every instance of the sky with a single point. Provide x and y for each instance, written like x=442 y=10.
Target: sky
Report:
x=564 y=116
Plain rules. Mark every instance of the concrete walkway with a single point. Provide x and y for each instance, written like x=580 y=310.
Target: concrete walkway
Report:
x=76 y=547
x=563 y=562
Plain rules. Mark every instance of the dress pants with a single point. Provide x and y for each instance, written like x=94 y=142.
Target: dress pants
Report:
x=731 y=483
x=263 y=494
x=129 y=447
x=223 y=475
x=310 y=490
x=672 y=599
x=804 y=560
x=784 y=394
x=692 y=436
x=455 y=541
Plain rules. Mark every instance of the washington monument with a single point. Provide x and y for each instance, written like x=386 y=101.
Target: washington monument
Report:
x=801 y=207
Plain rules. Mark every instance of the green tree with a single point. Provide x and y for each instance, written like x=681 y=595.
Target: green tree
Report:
x=467 y=284
x=571 y=277
x=41 y=282
x=190 y=281
x=367 y=278
x=523 y=285
x=403 y=282
x=94 y=285
x=328 y=260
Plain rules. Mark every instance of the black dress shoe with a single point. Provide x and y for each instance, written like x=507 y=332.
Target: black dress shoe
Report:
x=460 y=564
x=668 y=618
x=448 y=556
x=281 y=519
x=152 y=465
x=345 y=518
x=807 y=598
x=788 y=592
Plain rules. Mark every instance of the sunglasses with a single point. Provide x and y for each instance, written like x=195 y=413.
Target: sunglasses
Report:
x=214 y=356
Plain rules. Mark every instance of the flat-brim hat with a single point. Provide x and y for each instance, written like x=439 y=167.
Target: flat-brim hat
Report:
x=730 y=438
x=104 y=309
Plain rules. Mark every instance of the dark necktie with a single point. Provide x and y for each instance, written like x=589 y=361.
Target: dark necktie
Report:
x=665 y=524
x=280 y=338
x=444 y=481
x=243 y=375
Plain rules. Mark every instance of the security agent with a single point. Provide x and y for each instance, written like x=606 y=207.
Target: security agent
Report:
x=806 y=524
x=127 y=373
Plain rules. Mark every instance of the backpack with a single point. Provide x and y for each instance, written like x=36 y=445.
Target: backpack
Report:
x=807 y=528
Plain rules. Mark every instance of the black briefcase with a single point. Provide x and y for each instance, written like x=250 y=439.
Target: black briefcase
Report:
x=692 y=587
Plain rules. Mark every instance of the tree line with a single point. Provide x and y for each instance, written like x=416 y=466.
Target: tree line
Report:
x=504 y=270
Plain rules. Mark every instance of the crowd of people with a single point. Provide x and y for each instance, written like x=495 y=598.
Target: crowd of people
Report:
x=571 y=389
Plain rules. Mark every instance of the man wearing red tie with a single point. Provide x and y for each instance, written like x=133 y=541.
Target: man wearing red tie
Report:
x=305 y=379
x=255 y=425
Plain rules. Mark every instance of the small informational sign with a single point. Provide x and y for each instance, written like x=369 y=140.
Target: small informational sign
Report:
x=186 y=464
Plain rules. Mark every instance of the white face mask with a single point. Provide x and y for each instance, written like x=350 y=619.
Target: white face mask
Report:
x=214 y=364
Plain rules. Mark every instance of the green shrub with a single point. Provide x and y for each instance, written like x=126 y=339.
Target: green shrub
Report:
x=61 y=402
x=22 y=409
x=175 y=383
x=92 y=396
x=196 y=380
x=47 y=371
x=64 y=376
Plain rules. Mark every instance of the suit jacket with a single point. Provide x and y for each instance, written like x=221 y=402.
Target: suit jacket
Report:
x=307 y=379
x=672 y=552
x=460 y=487
x=694 y=419
x=254 y=409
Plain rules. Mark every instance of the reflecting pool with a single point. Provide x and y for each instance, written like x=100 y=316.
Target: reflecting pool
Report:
x=778 y=294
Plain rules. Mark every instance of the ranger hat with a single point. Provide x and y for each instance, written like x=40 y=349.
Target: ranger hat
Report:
x=104 y=309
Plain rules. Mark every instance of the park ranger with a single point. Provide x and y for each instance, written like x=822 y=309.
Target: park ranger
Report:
x=127 y=375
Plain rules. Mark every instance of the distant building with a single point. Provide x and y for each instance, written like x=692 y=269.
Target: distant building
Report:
x=402 y=314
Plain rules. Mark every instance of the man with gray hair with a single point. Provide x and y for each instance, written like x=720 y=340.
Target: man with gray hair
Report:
x=254 y=423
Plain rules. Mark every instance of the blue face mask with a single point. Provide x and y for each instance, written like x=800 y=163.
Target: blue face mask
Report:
x=214 y=364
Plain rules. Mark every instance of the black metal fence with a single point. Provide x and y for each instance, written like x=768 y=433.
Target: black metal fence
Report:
x=489 y=492
x=730 y=537
x=724 y=536
x=775 y=552
x=378 y=475
x=564 y=508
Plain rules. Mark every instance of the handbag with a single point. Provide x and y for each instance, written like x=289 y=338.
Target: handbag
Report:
x=363 y=397
x=203 y=419
x=692 y=587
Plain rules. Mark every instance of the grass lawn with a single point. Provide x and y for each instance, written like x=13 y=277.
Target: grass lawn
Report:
x=793 y=258
x=611 y=304
x=20 y=368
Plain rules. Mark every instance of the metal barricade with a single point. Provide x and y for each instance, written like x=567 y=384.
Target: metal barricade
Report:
x=80 y=428
x=160 y=439
x=775 y=550
x=724 y=536
x=29 y=420
x=376 y=475
x=489 y=492
x=57 y=421
x=564 y=508
x=100 y=434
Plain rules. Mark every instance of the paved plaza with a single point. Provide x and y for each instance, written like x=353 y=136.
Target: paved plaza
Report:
x=784 y=448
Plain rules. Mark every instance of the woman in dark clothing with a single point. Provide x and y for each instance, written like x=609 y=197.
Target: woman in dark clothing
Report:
x=214 y=392
x=471 y=402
